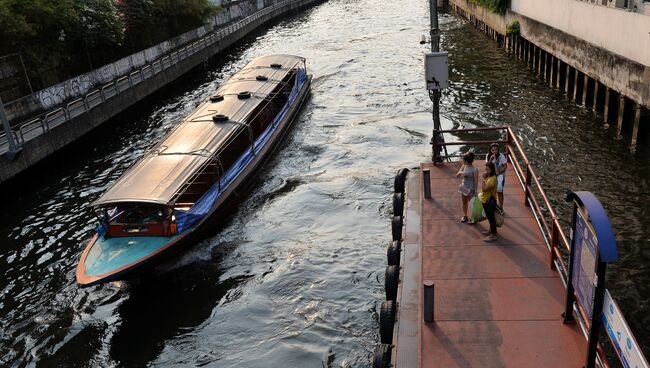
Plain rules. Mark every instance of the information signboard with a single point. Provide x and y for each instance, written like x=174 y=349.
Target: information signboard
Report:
x=584 y=278
x=620 y=335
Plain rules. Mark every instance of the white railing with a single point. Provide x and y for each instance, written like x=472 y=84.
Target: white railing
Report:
x=30 y=129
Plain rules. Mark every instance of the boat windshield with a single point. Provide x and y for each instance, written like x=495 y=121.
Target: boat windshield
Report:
x=136 y=219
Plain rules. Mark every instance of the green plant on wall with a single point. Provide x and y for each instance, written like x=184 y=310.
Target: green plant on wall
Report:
x=496 y=6
x=512 y=29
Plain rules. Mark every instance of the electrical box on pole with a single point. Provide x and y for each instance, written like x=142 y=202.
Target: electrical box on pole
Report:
x=436 y=70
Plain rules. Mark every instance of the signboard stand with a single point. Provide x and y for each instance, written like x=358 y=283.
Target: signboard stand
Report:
x=593 y=245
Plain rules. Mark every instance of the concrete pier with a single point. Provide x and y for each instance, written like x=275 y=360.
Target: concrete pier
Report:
x=496 y=304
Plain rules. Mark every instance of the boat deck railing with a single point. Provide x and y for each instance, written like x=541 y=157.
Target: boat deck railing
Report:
x=554 y=235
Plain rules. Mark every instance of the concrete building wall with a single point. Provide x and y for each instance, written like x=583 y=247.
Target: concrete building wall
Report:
x=592 y=75
x=616 y=30
x=601 y=62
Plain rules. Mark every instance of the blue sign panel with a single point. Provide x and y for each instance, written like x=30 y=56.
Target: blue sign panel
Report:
x=620 y=335
x=584 y=278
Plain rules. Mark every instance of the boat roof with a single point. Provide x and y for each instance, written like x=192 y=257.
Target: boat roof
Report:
x=158 y=176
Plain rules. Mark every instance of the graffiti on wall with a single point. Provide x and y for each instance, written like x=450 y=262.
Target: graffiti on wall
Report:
x=81 y=85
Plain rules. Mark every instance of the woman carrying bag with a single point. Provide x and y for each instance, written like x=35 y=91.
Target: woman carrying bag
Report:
x=500 y=162
x=467 y=188
x=488 y=197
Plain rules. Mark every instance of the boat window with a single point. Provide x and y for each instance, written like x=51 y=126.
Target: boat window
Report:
x=265 y=113
x=260 y=119
x=203 y=180
x=125 y=220
x=234 y=149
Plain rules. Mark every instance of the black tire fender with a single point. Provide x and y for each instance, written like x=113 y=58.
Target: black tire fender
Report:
x=382 y=356
x=393 y=253
x=390 y=282
x=400 y=179
x=387 y=321
x=396 y=227
x=398 y=204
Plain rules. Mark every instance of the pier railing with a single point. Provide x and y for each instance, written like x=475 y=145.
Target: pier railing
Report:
x=34 y=127
x=536 y=198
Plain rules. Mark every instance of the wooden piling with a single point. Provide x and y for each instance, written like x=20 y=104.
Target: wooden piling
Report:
x=534 y=49
x=551 y=79
x=621 y=116
x=594 y=105
x=517 y=42
x=526 y=51
x=585 y=89
x=567 y=79
x=635 y=127
x=606 y=106
x=576 y=81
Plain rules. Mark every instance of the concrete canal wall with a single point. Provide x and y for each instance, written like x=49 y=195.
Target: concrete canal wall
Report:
x=598 y=55
x=46 y=134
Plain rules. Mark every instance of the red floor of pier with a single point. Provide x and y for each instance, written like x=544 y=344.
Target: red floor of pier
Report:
x=496 y=304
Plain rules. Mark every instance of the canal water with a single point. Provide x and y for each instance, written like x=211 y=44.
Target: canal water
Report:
x=294 y=277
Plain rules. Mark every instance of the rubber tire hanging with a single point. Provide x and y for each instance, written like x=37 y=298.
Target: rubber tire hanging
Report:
x=393 y=253
x=396 y=226
x=398 y=204
x=382 y=356
x=391 y=281
x=400 y=179
x=387 y=321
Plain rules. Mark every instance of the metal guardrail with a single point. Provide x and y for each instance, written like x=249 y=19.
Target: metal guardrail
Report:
x=536 y=198
x=30 y=129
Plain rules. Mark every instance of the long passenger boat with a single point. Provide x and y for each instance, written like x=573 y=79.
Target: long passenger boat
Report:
x=172 y=193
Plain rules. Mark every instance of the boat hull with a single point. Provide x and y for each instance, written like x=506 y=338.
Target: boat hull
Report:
x=88 y=275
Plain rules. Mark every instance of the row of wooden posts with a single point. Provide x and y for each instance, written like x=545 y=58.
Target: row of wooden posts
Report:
x=614 y=107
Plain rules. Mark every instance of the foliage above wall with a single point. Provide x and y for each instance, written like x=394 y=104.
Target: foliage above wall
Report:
x=496 y=6
x=513 y=28
x=62 y=38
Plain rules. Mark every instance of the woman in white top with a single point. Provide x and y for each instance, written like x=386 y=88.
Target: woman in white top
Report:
x=500 y=161
x=467 y=188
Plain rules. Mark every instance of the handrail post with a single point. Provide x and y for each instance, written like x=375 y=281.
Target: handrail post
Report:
x=555 y=235
x=508 y=143
x=528 y=180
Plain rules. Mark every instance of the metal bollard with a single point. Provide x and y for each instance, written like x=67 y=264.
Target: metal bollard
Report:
x=429 y=292
x=426 y=176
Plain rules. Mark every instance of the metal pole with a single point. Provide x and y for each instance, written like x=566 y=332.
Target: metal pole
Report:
x=13 y=147
x=594 y=327
x=570 y=298
x=434 y=32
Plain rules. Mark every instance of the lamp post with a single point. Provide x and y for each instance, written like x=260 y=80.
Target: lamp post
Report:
x=434 y=33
